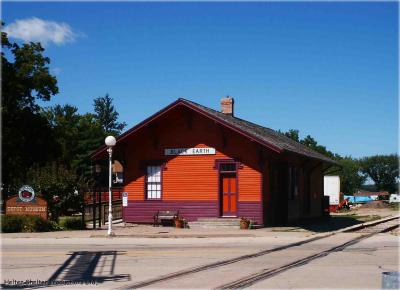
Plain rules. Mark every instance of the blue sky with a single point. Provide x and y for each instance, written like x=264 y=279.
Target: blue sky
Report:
x=327 y=69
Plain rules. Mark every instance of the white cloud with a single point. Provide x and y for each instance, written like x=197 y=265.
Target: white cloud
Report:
x=39 y=30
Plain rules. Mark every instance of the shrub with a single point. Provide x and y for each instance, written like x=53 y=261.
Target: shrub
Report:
x=71 y=223
x=24 y=223
x=11 y=224
x=55 y=226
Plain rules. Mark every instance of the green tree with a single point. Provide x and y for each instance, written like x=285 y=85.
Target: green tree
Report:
x=27 y=137
x=60 y=186
x=63 y=181
x=351 y=176
x=64 y=121
x=383 y=170
x=313 y=144
x=293 y=134
x=77 y=135
x=107 y=116
x=309 y=142
x=90 y=137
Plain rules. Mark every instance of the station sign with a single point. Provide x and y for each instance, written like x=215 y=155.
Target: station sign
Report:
x=190 y=151
x=26 y=203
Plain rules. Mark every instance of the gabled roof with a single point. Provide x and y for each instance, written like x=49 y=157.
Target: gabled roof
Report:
x=265 y=136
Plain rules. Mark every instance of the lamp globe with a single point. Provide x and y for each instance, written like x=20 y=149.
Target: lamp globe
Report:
x=110 y=141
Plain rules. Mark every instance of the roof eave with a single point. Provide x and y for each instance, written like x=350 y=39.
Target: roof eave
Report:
x=234 y=128
x=326 y=159
x=101 y=149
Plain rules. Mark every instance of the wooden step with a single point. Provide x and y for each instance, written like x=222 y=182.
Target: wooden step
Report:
x=212 y=223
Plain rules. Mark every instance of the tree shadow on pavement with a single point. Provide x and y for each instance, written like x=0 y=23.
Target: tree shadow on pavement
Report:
x=81 y=268
x=89 y=267
x=328 y=224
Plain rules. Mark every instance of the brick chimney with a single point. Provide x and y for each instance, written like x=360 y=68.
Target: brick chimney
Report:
x=227 y=105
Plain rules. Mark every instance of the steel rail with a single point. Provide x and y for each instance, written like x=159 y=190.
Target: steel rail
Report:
x=263 y=275
x=197 y=269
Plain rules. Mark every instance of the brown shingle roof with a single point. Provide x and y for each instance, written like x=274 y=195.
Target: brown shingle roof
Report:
x=265 y=134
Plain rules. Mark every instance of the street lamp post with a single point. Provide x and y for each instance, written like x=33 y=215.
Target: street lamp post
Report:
x=110 y=142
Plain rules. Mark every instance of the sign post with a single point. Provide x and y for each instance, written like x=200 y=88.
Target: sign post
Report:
x=124 y=199
x=124 y=204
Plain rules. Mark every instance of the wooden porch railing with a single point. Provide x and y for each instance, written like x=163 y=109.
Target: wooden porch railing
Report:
x=96 y=206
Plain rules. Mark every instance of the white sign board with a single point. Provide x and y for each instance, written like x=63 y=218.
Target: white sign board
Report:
x=332 y=189
x=189 y=151
x=124 y=199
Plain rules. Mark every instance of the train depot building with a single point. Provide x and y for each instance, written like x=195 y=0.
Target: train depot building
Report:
x=210 y=164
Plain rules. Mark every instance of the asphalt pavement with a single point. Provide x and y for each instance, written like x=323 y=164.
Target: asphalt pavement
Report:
x=125 y=262
x=168 y=258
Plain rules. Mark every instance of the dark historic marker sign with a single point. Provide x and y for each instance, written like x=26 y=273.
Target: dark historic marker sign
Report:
x=26 y=203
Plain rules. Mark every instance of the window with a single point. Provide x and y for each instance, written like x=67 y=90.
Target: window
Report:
x=227 y=167
x=153 y=182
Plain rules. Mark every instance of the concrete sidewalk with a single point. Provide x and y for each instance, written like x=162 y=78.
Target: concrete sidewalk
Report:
x=148 y=231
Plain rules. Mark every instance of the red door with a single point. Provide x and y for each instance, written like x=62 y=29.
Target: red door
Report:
x=229 y=194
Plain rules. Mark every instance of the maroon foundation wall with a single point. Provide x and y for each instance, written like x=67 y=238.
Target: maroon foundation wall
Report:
x=143 y=211
x=251 y=210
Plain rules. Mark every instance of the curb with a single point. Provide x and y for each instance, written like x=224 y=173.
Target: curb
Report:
x=175 y=236
x=179 y=236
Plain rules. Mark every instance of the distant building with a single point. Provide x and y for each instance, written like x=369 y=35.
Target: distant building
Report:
x=332 y=190
x=209 y=164
x=367 y=196
x=373 y=195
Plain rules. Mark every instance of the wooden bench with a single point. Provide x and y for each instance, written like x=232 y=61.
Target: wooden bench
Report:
x=161 y=215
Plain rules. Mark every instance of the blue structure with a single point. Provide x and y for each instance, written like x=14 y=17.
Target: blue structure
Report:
x=358 y=199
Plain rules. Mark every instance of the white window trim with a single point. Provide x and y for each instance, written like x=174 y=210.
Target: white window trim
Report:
x=153 y=182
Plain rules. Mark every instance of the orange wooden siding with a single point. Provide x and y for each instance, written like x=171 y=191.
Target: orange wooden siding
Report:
x=190 y=178
x=135 y=187
x=249 y=184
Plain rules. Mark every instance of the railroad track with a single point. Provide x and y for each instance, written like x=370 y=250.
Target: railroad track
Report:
x=375 y=228
x=369 y=230
x=380 y=227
